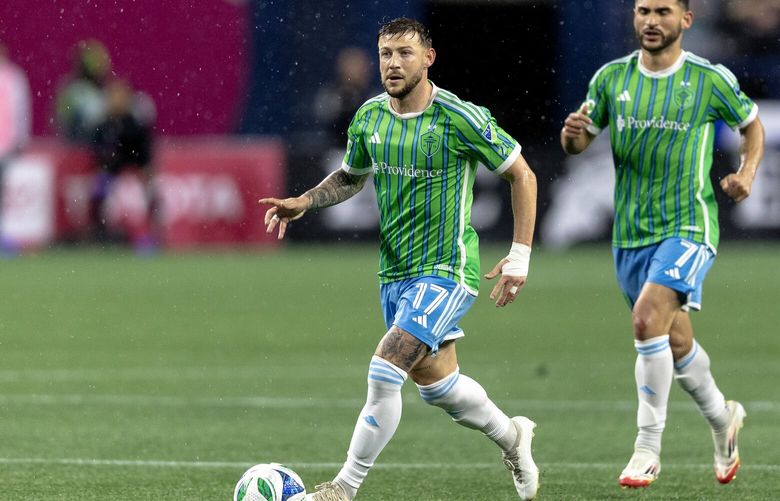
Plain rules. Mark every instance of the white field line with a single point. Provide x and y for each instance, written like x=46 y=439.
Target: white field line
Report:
x=179 y=401
x=319 y=402
x=153 y=373
x=383 y=466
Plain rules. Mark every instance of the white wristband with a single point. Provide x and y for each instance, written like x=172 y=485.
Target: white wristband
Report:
x=519 y=257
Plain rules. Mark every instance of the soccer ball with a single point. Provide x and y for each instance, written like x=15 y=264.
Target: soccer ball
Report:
x=269 y=482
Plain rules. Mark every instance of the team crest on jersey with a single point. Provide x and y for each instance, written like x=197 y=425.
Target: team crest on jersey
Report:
x=683 y=96
x=430 y=143
x=488 y=133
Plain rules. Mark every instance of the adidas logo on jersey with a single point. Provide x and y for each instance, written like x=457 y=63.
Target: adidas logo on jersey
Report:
x=673 y=272
x=422 y=320
x=375 y=139
x=624 y=97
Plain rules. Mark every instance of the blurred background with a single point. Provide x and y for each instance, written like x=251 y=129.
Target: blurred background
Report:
x=159 y=124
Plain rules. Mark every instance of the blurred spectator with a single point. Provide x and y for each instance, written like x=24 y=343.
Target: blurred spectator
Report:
x=335 y=103
x=123 y=138
x=699 y=38
x=334 y=106
x=751 y=26
x=122 y=143
x=15 y=110
x=15 y=117
x=749 y=37
x=80 y=101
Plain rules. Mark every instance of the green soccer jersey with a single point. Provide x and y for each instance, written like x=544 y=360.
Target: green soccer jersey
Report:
x=661 y=125
x=423 y=167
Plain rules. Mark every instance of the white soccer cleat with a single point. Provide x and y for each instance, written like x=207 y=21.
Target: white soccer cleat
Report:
x=642 y=469
x=726 y=451
x=329 y=491
x=518 y=460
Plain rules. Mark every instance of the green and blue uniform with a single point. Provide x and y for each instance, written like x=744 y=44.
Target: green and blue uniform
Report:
x=423 y=167
x=661 y=125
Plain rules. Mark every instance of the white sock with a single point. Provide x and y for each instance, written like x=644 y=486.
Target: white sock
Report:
x=468 y=404
x=653 y=372
x=376 y=425
x=693 y=374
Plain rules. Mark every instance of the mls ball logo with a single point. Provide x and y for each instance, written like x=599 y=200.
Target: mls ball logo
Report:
x=683 y=97
x=430 y=143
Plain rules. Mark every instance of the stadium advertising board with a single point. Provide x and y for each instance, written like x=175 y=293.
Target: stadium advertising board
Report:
x=206 y=192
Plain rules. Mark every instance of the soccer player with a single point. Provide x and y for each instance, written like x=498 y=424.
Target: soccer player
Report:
x=423 y=145
x=660 y=104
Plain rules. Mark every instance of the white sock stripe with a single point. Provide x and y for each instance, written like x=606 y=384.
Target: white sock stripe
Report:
x=383 y=379
x=381 y=363
x=385 y=375
x=648 y=352
x=387 y=378
x=652 y=346
x=438 y=389
x=653 y=340
x=433 y=386
x=687 y=359
x=383 y=369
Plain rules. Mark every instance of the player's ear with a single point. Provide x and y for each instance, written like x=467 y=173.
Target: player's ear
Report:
x=687 y=20
x=430 y=57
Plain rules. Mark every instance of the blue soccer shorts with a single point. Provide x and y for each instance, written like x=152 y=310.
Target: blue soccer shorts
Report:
x=428 y=307
x=676 y=263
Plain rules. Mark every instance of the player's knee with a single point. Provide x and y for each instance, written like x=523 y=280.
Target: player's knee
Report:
x=642 y=325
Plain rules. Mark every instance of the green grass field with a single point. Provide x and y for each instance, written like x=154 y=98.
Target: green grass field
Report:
x=165 y=378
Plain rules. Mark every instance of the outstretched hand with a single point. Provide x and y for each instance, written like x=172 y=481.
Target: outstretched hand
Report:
x=283 y=212
x=507 y=288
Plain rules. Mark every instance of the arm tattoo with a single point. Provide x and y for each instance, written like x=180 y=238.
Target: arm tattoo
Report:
x=335 y=188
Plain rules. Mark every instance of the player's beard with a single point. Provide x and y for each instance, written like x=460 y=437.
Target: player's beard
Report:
x=666 y=40
x=406 y=89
